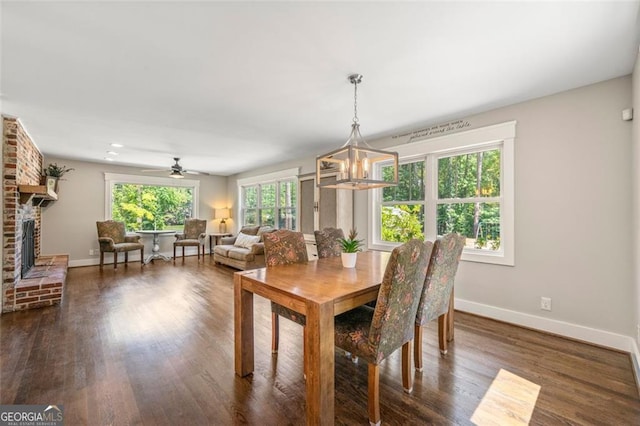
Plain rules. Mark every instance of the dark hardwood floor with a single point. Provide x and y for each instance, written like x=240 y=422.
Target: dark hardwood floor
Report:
x=155 y=346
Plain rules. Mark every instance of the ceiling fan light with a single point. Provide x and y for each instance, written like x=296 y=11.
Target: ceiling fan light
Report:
x=176 y=174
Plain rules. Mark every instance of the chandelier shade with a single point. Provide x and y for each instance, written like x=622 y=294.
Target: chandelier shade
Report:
x=354 y=161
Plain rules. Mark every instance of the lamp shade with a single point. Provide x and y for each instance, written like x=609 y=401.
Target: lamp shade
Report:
x=222 y=213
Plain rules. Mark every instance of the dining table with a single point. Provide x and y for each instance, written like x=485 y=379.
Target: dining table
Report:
x=319 y=289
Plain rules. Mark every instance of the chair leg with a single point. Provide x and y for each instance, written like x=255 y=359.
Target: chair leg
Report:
x=374 y=394
x=142 y=257
x=443 y=320
x=198 y=253
x=407 y=382
x=174 y=253
x=275 y=333
x=417 y=348
x=183 y=253
x=450 y=319
x=126 y=258
x=101 y=259
x=115 y=260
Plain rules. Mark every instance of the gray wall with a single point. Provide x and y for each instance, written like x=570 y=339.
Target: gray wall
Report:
x=572 y=213
x=69 y=224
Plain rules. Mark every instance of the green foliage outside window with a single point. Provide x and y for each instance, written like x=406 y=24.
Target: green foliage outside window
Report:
x=464 y=180
x=402 y=222
x=146 y=207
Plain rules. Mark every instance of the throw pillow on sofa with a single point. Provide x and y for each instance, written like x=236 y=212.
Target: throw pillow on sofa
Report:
x=246 y=241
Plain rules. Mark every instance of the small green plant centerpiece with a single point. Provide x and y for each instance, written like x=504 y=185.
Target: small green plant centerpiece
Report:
x=53 y=173
x=350 y=248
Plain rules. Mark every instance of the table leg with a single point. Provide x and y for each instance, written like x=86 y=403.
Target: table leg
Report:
x=210 y=245
x=319 y=358
x=243 y=324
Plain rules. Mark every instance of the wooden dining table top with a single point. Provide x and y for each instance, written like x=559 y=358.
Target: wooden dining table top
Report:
x=321 y=281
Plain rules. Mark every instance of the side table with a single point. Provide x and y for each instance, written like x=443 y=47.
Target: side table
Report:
x=155 y=251
x=214 y=239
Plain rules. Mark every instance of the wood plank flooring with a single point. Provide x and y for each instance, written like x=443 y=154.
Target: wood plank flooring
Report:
x=155 y=347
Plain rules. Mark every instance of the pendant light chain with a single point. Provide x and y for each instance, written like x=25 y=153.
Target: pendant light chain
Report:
x=355 y=101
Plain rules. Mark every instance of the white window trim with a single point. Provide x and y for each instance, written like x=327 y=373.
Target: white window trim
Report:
x=111 y=179
x=503 y=133
x=266 y=178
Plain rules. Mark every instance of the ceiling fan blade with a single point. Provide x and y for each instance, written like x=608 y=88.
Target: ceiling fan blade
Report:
x=155 y=170
x=191 y=172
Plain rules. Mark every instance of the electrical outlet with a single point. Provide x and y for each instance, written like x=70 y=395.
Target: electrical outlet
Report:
x=545 y=303
x=90 y=252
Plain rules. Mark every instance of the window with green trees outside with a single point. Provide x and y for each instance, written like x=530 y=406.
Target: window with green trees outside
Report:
x=467 y=199
x=152 y=205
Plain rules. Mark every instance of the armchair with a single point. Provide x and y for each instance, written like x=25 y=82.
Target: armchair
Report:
x=113 y=239
x=194 y=234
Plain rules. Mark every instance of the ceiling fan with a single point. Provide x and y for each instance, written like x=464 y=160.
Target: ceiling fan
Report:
x=177 y=172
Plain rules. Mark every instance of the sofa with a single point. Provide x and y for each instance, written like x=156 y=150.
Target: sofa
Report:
x=244 y=251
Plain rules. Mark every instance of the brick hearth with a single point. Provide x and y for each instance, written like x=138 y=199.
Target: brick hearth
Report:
x=43 y=285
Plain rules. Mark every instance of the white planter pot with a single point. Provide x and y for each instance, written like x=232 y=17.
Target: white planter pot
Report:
x=349 y=259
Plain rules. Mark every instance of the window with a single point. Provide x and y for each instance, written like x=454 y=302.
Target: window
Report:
x=402 y=207
x=150 y=202
x=269 y=200
x=458 y=183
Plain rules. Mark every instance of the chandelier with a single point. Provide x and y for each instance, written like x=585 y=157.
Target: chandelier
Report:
x=353 y=162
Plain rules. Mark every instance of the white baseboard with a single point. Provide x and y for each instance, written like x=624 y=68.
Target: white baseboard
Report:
x=574 y=331
x=133 y=257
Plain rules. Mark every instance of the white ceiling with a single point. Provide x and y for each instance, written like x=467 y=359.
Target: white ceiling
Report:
x=228 y=86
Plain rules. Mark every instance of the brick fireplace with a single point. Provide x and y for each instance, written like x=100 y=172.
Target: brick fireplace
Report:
x=22 y=165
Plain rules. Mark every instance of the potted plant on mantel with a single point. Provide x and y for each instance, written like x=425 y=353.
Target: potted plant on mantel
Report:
x=53 y=173
x=350 y=248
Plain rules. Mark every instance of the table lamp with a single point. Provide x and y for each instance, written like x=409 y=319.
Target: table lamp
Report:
x=222 y=214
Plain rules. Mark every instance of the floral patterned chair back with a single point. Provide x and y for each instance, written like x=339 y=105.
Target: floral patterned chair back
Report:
x=284 y=247
x=328 y=242
x=111 y=229
x=194 y=228
x=443 y=266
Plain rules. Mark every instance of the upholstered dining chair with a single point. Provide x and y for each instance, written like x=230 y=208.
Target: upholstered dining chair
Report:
x=436 y=295
x=284 y=247
x=375 y=333
x=113 y=238
x=194 y=234
x=327 y=242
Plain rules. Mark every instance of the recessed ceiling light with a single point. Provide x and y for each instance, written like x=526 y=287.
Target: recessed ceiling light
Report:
x=112 y=153
x=108 y=158
x=117 y=145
